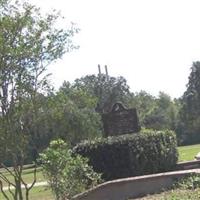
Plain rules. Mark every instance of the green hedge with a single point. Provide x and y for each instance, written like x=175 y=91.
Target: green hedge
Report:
x=132 y=154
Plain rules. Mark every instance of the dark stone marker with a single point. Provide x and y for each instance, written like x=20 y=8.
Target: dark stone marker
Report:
x=120 y=121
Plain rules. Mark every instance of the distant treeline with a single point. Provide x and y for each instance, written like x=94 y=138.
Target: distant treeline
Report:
x=73 y=113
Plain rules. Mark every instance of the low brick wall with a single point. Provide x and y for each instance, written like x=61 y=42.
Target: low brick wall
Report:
x=123 y=189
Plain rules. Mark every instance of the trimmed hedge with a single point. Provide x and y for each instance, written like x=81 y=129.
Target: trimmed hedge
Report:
x=132 y=154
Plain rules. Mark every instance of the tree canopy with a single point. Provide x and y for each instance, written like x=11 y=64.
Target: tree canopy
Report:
x=108 y=90
x=29 y=42
x=190 y=109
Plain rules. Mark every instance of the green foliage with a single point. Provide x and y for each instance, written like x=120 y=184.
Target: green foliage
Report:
x=107 y=90
x=164 y=115
x=189 y=126
x=158 y=113
x=68 y=114
x=190 y=182
x=131 y=155
x=29 y=42
x=144 y=102
x=67 y=174
x=72 y=114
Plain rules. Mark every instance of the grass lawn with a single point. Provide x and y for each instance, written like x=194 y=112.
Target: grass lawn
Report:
x=37 y=193
x=187 y=153
x=27 y=175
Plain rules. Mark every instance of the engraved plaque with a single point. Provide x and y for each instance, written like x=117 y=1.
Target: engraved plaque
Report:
x=120 y=121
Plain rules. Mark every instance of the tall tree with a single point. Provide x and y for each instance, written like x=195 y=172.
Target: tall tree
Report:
x=72 y=116
x=164 y=114
x=29 y=42
x=190 y=112
x=108 y=90
x=155 y=112
x=144 y=103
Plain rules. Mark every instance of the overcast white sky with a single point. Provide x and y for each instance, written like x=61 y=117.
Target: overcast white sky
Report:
x=152 y=43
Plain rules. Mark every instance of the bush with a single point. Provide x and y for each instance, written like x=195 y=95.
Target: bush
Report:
x=189 y=182
x=67 y=175
x=132 y=154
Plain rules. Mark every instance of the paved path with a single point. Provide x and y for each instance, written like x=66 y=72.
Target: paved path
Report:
x=37 y=184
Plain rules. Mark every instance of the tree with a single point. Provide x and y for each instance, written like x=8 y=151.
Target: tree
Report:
x=155 y=112
x=108 y=90
x=29 y=42
x=190 y=111
x=164 y=115
x=144 y=103
x=71 y=114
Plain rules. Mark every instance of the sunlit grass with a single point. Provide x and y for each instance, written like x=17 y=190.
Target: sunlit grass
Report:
x=37 y=193
x=187 y=153
x=27 y=175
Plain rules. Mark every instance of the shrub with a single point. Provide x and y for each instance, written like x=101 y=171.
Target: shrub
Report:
x=132 y=154
x=189 y=182
x=67 y=175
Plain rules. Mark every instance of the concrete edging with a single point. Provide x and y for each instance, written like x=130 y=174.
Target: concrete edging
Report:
x=123 y=189
x=188 y=165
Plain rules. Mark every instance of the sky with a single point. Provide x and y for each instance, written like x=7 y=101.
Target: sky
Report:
x=151 y=43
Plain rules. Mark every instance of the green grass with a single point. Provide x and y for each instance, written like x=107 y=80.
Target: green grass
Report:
x=27 y=175
x=187 y=153
x=37 y=193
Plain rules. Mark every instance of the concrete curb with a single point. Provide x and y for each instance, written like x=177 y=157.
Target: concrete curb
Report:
x=123 y=189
